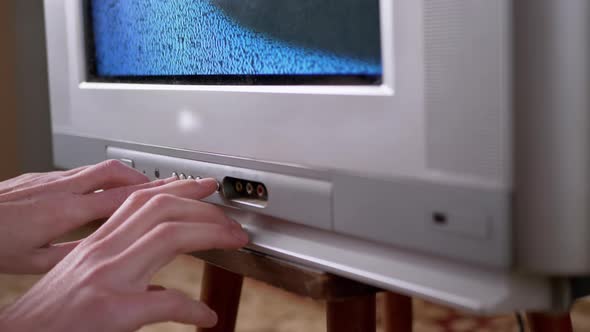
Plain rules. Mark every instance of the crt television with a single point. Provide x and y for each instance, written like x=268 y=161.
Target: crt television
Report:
x=438 y=148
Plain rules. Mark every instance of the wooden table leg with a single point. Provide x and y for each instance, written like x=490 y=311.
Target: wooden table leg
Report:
x=543 y=322
x=221 y=291
x=398 y=313
x=356 y=314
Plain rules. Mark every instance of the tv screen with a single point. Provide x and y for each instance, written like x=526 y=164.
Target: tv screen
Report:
x=234 y=41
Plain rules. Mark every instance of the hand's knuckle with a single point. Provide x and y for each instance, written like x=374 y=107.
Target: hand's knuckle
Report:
x=165 y=230
x=139 y=197
x=118 y=196
x=112 y=164
x=158 y=183
x=109 y=168
x=161 y=201
x=95 y=170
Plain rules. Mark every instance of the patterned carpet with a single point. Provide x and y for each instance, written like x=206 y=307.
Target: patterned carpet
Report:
x=265 y=309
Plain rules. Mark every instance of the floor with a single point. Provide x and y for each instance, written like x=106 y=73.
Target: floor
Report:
x=265 y=309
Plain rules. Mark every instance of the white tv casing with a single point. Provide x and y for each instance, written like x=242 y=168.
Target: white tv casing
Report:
x=493 y=136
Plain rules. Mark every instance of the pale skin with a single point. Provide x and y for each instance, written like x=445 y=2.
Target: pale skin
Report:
x=102 y=283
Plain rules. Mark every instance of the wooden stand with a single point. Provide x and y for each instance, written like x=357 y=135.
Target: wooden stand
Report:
x=221 y=290
x=398 y=313
x=350 y=306
x=355 y=314
x=542 y=322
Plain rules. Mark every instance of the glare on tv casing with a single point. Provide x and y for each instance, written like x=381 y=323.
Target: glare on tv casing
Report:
x=481 y=117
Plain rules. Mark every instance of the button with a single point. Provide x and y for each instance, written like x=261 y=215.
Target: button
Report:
x=190 y=177
x=182 y=176
x=174 y=174
x=128 y=162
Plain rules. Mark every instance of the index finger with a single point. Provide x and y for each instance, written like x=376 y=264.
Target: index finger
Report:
x=190 y=189
x=65 y=212
x=106 y=175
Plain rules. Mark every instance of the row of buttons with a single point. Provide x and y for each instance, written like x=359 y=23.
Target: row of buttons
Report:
x=179 y=176
x=183 y=176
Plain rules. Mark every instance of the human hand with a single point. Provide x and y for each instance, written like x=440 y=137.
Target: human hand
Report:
x=104 y=284
x=36 y=209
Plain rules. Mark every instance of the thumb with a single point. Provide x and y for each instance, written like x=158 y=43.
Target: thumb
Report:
x=163 y=306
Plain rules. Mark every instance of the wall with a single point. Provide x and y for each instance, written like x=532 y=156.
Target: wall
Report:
x=9 y=158
x=32 y=87
x=25 y=134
